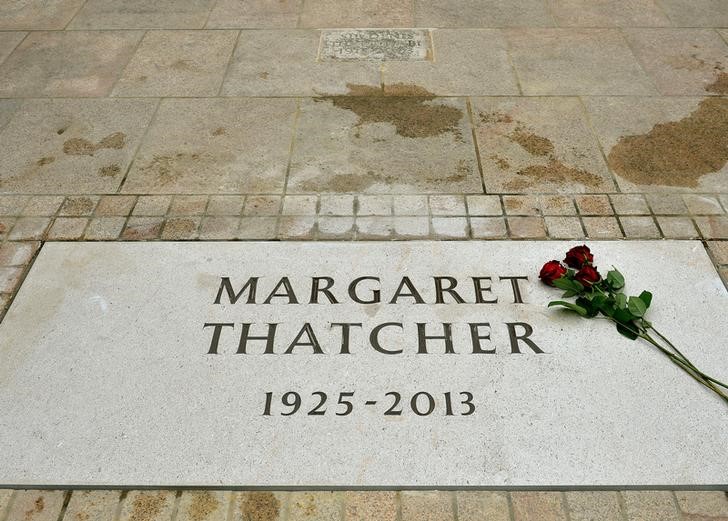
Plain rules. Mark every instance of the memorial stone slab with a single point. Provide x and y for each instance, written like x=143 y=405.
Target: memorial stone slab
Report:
x=376 y=44
x=419 y=364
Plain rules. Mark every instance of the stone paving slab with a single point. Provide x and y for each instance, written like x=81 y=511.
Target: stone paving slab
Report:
x=142 y=14
x=608 y=13
x=37 y=14
x=482 y=13
x=53 y=325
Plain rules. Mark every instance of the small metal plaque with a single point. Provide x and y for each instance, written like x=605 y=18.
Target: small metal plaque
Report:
x=376 y=44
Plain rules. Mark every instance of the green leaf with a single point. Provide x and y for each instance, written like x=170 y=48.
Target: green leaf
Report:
x=621 y=300
x=615 y=279
x=591 y=309
x=569 y=294
x=626 y=330
x=568 y=305
x=636 y=306
x=646 y=297
x=568 y=285
x=623 y=315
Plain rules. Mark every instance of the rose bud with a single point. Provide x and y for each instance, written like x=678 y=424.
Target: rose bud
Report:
x=551 y=271
x=588 y=275
x=578 y=256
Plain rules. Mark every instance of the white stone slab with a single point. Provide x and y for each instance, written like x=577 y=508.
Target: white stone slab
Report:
x=376 y=44
x=105 y=376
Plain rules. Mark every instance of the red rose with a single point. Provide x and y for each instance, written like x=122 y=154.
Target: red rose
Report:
x=578 y=256
x=551 y=271
x=588 y=275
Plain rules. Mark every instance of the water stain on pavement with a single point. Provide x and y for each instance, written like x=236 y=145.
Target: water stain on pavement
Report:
x=259 y=506
x=84 y=147
x=720 y=85
x=203 y=504
x=676 y=153
x=147 y=506
x=410 y=111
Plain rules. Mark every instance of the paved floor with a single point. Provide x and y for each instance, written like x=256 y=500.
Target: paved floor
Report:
x=242 y=119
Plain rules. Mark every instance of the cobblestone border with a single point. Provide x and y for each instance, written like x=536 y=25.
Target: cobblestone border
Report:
x=191 y=505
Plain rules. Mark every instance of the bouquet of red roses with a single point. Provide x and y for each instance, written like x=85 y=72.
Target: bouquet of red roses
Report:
x=596 y=295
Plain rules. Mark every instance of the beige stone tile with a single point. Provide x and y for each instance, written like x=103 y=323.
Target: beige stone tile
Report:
x=601 y=227
x=115 y=205
x=215 y=146
x=666 y=204
x=92 y=505
x=482 y=505
x=411 y=227
x=702 y=204
x=6 y=494
x=661 y=144
x=284 y=63
x=564 y=227
x=177 y=63
x=576 y=61
x=373 y=228
x=104 y=228
x=8 y=42
x=261 y=205
x=296 y=227
x=330 y=227
x=629 y=204
x=357 y=13
x=384 y=145
x=488 y=227
x=153 y=505
x=450 y=227
x=219 y=228
x=712 y=227
x=337 y=205
x=594 y=506
x=6 y=224
x=36 y=505
x=71 y=146
x=484 y=205
x=447 y=205
x=10 y=278
x=37 y=14
x=188 y=205
x=482 y=13
x=225 y=205
x=66 y=64
x=557 y=205
x=142 y=228
x=203 y=505
x=258 y=228
x=152 y=205
x=142 y=14
x=67 y=228
x=652 y=505
x=43 y=205
x=521 y=205
x=526 y=227
x=13 y=204
x=181 y=228
x=593 y=205
x=299 y=205
x=538 y=144
x=255 y=14
x=538 y=506
x=374 y=205
x=608 y=13
x=719 y=250
x=370 y=506
x=29 y=228
x=454 y=72
x=268 y=506
x=315 y=506
x=677 y=227
x=17 y=254
x=76 y=206
x=427 y=506
x=682 y=61
x=410 y=205
x=697 y=13
x=703 y=505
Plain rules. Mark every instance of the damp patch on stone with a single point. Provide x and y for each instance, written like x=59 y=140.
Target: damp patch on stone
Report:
x=676 y=153
x=376 y=45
